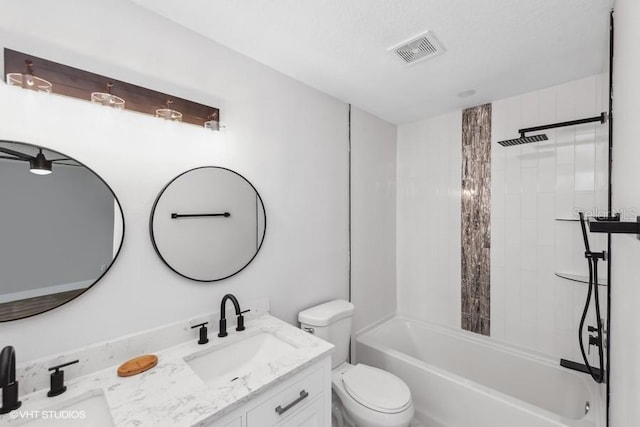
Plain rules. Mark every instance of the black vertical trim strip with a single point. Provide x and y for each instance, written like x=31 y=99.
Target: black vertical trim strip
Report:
x=349 y=209
x=349 y=138
x=610 y=213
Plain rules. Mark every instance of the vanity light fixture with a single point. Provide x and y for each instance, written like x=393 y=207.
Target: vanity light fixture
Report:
x=28 y=80
x=168 y=113
x=107 y=98
x=212 y=123
x=39 y=165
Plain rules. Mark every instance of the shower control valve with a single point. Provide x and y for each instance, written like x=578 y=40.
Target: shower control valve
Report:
x=593 y=340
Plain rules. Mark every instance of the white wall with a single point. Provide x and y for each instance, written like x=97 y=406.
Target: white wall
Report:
x=373 y=218
x=531 y=186
x=625 y=291
x=429 y=203
x=289 y=140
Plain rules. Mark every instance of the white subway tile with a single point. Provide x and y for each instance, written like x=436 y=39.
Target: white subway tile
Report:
x=563 y=340
x=529 y=206
x=498 y=294
x=546 y=179
x=547 y=106
x=564 y=246
x=529 y=296
x=565 y=139
x=529 y=232
x=529 y=180
x=585 y=97
x=528 y=258
x=565 y=105
x=497 y=244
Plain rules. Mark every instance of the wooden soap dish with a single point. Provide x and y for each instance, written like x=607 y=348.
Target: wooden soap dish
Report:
x=137 y=365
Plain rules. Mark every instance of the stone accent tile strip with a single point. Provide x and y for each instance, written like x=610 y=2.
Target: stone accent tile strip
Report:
x=476 y=218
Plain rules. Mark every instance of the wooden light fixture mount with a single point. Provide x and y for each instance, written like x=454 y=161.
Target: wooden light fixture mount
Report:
x=77 y=83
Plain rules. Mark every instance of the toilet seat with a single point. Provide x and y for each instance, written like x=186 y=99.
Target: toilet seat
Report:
x=376 y=389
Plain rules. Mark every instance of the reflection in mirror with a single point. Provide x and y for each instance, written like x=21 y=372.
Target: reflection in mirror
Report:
x=61 y=227
x=208 y=224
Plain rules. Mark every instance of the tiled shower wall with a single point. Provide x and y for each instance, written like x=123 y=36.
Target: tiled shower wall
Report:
x=531 y=186
x=428 y=218
x=534 y=187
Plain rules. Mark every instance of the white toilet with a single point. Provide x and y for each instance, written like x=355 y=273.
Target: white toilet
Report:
x=369 y=397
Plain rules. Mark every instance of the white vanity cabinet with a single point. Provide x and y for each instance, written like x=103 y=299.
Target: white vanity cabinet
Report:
x=303 y=400
x=270 y=374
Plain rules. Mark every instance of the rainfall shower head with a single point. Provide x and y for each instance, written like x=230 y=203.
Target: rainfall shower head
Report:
x=523 y=140
x=602 y=118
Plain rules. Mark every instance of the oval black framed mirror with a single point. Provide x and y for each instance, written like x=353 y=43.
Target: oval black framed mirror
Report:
x=62 y=228
x=208 y=223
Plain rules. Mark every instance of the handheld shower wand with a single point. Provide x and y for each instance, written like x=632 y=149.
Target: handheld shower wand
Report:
x=592 y=259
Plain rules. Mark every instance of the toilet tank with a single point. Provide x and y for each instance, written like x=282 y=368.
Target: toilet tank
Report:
x=330 y=321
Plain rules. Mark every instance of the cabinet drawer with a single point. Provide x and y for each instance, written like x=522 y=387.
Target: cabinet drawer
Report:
x=311 y=416
x=278 y=407
x=235 y=423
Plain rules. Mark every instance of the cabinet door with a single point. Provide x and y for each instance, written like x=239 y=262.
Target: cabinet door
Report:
x=311 y=416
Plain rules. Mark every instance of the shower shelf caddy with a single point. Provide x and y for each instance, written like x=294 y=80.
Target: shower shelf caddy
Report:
x=615 y=227
x=580 y=278
x=609 y=226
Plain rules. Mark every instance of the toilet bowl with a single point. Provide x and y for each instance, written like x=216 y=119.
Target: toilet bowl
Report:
x=369 y=397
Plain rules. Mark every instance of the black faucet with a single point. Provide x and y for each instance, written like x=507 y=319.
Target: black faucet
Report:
x=57 y=379
x=203 y=332
x=223 y=318
x=8 y=381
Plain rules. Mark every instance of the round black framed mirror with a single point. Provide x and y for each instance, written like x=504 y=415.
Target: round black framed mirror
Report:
x=62 y=228
x=208 y=223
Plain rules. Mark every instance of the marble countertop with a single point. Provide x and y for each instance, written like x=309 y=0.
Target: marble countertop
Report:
x=171 y=394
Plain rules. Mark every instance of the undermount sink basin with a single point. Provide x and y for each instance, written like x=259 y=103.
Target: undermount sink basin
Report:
x=87 y=409
x=222 y=365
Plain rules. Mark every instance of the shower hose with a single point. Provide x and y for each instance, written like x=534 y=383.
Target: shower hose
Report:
x=592 y=260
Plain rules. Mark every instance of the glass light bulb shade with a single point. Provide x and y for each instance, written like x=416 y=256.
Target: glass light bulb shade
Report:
x=29 y=81
x=108 y=100
x=212 y=124
x=40 y=171
x=39 y=165
x=169 y=114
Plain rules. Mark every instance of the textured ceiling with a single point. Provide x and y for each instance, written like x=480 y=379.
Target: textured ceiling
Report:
x=497 y=47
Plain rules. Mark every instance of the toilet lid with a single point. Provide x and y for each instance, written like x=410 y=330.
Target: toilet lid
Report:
x=376 y=389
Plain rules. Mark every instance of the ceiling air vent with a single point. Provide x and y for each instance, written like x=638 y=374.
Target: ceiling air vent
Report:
x=418 y=48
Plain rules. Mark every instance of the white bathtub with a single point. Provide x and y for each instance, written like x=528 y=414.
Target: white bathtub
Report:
x=458 y=379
